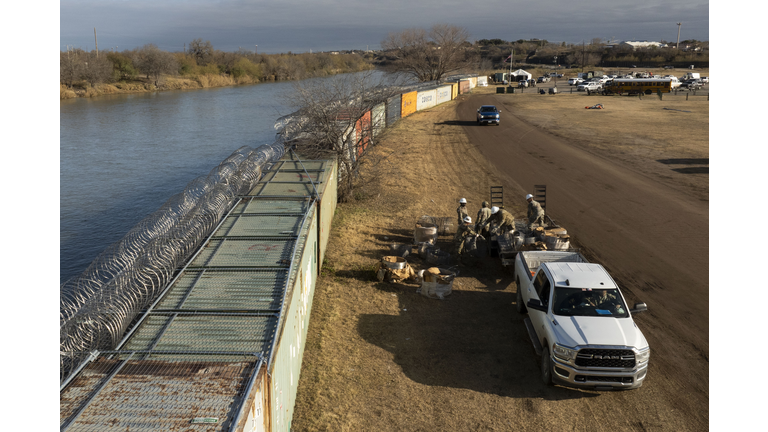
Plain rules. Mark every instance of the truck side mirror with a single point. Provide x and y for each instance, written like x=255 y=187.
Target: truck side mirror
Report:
x=639 y=307
x=536 y=305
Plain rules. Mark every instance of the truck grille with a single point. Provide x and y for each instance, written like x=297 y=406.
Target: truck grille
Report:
x=585 y=378
x=613 y=358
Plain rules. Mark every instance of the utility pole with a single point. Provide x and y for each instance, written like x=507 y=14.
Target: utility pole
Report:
x=678 y=37
x=97 y=42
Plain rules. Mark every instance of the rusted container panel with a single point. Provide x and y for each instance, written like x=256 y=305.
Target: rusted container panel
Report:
x=426 y=99
x=363 y=133
x=443 y=94
x=408 y=105
x=463 y=86
x=393 y=109
x=156 y=395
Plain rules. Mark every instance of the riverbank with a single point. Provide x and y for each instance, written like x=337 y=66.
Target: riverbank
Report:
x=167 y=83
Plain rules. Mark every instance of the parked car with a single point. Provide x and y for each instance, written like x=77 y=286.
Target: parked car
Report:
x=552 y=74
x=488 y=114
x=543 y=79
x=522 y=83
x=705 y=80
x=559 y=75
x=691 y=84
x=591 y=86
x=575 y=81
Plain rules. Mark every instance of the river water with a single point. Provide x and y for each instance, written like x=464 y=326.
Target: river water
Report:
x=123 y=156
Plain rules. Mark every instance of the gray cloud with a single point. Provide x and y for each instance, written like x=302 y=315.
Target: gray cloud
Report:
x=300 y=26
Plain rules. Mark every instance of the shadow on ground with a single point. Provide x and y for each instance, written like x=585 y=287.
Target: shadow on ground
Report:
x=688 y=170
x=474 y=339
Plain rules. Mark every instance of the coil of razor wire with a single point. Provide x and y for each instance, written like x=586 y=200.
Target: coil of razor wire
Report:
x=98 y=306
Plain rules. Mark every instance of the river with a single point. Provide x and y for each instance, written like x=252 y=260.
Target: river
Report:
x=123 y=156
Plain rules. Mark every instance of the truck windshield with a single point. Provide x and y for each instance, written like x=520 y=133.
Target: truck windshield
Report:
x=588 y=302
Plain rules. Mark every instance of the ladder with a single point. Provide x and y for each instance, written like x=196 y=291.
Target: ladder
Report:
x=540 y=195
x=497 y=196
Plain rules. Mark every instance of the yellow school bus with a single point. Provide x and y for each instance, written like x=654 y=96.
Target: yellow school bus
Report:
x=637 y=86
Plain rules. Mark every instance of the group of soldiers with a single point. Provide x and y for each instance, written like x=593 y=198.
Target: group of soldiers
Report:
x=499 y=219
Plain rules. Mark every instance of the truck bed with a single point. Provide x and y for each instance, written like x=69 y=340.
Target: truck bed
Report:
x=531 y=260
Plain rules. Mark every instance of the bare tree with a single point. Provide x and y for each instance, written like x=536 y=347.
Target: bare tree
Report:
x=97 y=69
x=334 y=120
x=201 y=51
x=429 y=55
x=153 y=62
x=71 y=65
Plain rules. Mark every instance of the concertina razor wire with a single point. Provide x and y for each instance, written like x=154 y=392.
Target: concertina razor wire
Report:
x=97 y=307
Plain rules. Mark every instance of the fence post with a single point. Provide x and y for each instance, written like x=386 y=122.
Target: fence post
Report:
x=686 y=96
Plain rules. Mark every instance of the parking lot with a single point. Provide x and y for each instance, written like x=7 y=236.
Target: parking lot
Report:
x=563 y=86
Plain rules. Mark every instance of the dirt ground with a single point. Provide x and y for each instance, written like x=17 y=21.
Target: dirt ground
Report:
x=380 y=357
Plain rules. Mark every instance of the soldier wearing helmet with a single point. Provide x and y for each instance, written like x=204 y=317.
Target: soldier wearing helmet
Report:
x=535 y=212
x=462 y=233
x=502 y=219
x=462 y=210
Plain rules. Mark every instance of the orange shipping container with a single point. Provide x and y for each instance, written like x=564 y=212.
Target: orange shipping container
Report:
x=408 y=103
x=363 y=129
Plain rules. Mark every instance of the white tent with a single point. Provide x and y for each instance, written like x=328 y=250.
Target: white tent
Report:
x=520 y=75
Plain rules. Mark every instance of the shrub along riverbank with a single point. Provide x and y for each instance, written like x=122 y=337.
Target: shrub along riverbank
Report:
x=147 y=69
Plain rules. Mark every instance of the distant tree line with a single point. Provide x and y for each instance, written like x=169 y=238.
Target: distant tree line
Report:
x=494 y=52
x=79 y=68
x=431 y=55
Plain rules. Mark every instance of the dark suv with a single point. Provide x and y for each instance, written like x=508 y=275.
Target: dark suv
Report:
x=488 y=114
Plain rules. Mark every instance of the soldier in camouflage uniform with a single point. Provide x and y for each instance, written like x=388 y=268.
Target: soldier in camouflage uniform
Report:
x=535 y=212
x=482 y=215
x=462 y=233
x=462 y=210
x=503 y=220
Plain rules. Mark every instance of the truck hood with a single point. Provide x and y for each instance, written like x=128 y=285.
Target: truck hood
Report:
x=573 y=331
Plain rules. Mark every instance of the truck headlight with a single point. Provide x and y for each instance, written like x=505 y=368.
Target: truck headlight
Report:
x=563 y=353
x=643 y=356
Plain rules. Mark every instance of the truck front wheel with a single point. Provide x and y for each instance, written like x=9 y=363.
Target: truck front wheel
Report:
x=546 y=367
x=521 y=309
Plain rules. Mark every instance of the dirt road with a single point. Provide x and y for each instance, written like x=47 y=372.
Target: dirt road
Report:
x=381 y=357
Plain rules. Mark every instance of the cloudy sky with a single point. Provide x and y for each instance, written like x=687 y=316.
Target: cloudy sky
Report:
x=320 y=25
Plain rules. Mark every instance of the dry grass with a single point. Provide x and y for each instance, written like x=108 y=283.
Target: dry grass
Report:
x=66 y=93
x=211 y=80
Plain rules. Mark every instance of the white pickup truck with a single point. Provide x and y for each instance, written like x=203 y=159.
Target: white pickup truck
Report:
x=579 y=322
